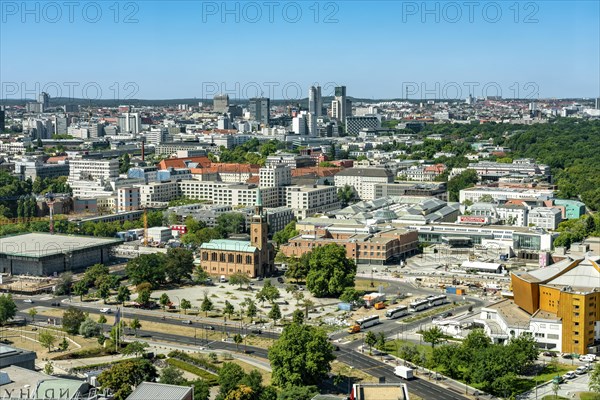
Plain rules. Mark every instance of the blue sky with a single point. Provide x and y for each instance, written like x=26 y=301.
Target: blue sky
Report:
x=378 y=49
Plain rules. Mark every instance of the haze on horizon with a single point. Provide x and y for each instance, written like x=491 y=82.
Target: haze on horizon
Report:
x=379 y=50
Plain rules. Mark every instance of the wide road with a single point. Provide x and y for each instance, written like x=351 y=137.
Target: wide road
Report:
x=420 y=387
x=130 y=312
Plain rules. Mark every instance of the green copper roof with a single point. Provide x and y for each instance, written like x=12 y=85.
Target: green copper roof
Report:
x=229 y=245
x=258 y=198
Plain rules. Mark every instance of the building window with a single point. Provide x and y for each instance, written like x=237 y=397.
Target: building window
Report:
x=230 y=258
x=213 y=257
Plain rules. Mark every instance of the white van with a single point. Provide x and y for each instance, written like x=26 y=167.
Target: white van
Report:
x=223 y=279
x=588 y=358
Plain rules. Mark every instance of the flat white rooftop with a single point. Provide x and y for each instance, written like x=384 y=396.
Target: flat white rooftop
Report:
x=45 y=244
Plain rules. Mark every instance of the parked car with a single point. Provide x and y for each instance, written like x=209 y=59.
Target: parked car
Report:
x=209 y=327
x=581 y=370
x=27 y=301
x=569 y=375
x=558 y=379
x=186 y=322
x=549 y=354
x=106 y=310
x=446 y=314
x=56 y=304
x=256 y=331
x=280 y=279
x=568 y=356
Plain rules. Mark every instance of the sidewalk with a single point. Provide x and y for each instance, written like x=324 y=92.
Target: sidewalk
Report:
x=567 y=389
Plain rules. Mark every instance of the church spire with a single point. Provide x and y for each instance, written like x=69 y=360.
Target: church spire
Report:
x=259 y=206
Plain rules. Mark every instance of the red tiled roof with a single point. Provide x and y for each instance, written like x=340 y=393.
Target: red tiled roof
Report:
x=227 y=168
x=181 y=162
x=318 y=171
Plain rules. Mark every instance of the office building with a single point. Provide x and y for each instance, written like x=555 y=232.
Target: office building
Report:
x=355 y=124
x=2 y=120
x=315 y=101
x=221 y=103
x=260 y=109
x=44 y=100
x=156 y=194
x=501 y=195
x=341 y=106
x=306 y=201
x=130 y=123
x=156 y=135
x=433 y=189
x=223 y=122
x=33 y=168
x=95 y=130
x=93 y=169
x=544 y=217
x=275 y=176
x=300 y=124
x=61 y=125
x=128 y=199
x=363 y=180
x=490 y=170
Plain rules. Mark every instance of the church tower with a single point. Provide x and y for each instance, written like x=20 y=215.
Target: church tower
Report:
x=258 y=236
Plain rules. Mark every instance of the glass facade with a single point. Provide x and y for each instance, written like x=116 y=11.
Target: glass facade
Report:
x=526 y=241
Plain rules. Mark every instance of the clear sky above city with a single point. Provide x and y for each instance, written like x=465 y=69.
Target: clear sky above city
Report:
x=378 y=49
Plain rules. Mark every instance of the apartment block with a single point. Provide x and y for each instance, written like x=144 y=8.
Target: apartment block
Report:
x=275 y=175
x=158 y=193
x=363 y=180
x=309 y=200
x=128 y=199
x=93 y=169
x=545 y=217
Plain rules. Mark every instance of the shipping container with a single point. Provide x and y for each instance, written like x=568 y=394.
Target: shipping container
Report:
x=380 y=305
x=451 y=290
x=345 y=306
x=461 y=292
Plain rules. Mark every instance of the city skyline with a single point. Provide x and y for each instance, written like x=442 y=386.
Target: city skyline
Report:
x=201 y=50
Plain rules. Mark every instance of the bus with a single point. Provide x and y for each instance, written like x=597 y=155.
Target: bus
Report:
x=367 y=322
x=397 y=312
x=436 y=300
x=418 y=305
x=364 y=323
